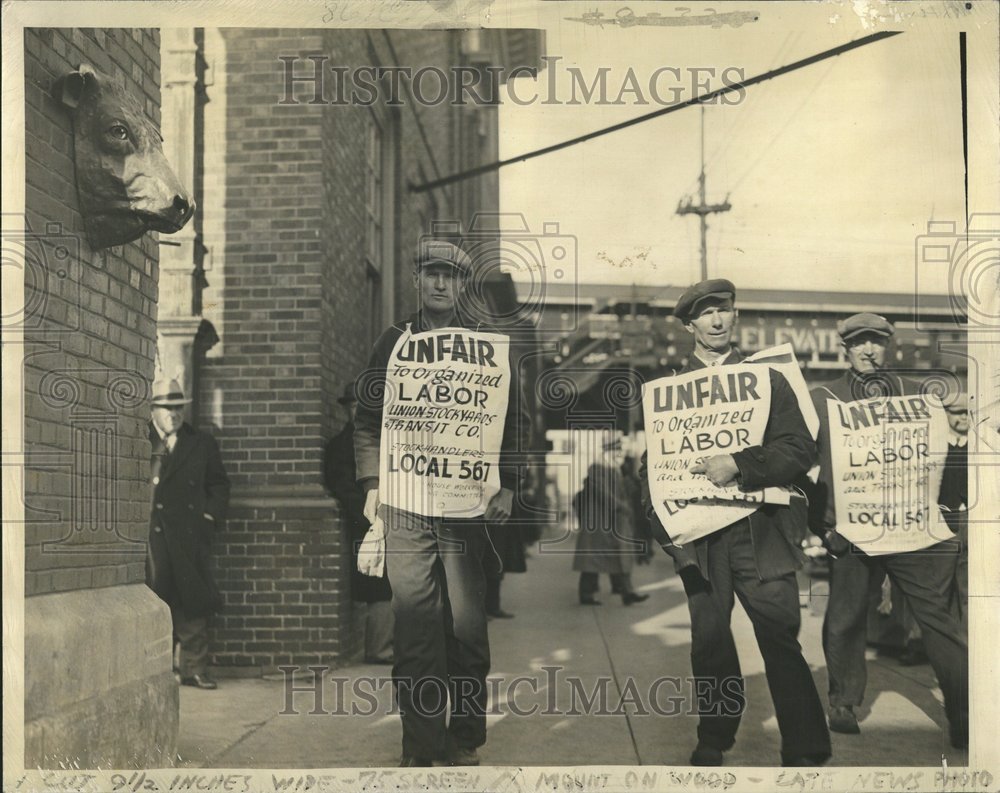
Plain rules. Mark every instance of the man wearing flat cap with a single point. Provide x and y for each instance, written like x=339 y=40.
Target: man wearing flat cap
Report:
x=190 y=492
x=434 y=562
x=753 y=559
x=924 y=577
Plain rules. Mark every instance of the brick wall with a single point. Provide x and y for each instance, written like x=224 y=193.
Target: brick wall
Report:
x=280 y=569
x=89 y=337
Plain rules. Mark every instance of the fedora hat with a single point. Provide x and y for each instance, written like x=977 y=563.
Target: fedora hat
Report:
x=168 y=393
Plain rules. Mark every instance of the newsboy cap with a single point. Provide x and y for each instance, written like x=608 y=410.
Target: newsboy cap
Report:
x=864 y=323
x=168 y=393
x=431 y=251
x=718 y=288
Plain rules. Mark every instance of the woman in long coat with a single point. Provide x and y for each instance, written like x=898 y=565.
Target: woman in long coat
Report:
x=605 y=542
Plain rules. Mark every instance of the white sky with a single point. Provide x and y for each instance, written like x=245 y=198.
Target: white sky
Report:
x=833 y=170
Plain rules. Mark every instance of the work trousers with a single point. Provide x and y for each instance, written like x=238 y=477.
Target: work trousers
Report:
x=621 y=584
x=441 y=644
x=773 y=608
x=926 y=579
x=191 y=643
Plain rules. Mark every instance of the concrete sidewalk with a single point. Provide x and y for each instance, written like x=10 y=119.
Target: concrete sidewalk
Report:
x=546 y=661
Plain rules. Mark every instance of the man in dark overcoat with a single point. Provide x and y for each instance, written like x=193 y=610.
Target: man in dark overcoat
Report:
x=371 y=594
x=754 y=559
x=190 y=494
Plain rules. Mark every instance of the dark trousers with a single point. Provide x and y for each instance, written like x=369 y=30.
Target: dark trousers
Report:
x=441 y=644
x=773 y=608
x=191 y=634
x=958 y=522
x=926 y=579
x=621 y=584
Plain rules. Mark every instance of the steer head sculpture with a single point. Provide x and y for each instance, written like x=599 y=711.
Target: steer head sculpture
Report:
x=125 y=185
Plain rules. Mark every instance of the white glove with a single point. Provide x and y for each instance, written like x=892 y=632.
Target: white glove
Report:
x=371 y=505
x=885 y=604
x=371 y=554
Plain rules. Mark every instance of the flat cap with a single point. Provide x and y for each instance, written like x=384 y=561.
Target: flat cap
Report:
x=957 y=403
x=687 y=303
x=864 y=323
x=432 y=251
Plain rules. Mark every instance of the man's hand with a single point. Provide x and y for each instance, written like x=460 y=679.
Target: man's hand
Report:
x=836 y=544
x=721 y=469
x=371 y=505
x=371 y=554
x=500 y=506
x=885 y=604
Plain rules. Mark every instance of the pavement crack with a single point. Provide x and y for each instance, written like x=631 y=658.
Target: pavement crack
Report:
x=252 y=728
x=618 y=686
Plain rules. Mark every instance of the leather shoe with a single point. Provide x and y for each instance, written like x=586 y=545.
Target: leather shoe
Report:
x=805 y=761
x=842 y=719
x=460 y=755
x=200 y=681
x=500 y=614
x=589 y=602
x=415 y=762
x=631 y=597
x=706 y=755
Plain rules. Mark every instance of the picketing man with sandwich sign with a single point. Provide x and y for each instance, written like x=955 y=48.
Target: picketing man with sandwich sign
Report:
x=439 y=418
x=724 y=439
x=882 y=446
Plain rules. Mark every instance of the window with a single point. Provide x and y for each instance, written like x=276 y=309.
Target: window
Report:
x=380 y=209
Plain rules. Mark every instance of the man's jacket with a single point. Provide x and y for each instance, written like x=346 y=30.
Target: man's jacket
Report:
x=849 y=387
x=189 y=483
x=370 y=393
x=786 y=453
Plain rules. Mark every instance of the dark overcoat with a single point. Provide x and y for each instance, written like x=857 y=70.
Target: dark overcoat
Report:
x=787 y=452
x=189 y=484
x=340 y=475
x=605 y=542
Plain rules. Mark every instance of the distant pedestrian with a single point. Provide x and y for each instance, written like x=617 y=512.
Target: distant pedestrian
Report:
x=605 y=542
x=371 y=595
x=506 y=556
x=642 y=531
x=190 y=497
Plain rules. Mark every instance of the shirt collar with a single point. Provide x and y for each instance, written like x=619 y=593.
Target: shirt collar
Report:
x=958 y=440
x=720 y=361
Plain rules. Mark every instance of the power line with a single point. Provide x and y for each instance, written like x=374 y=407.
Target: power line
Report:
x=704 y=98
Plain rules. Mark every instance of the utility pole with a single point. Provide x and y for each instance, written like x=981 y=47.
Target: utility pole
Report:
x=702 y=209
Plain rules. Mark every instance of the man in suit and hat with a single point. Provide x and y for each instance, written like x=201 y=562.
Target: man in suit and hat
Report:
x=371 y=595
x=924 y=577
x=190 y=492
x=754 y=559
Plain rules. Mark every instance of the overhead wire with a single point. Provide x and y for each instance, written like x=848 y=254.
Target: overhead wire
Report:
x=704 y=98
